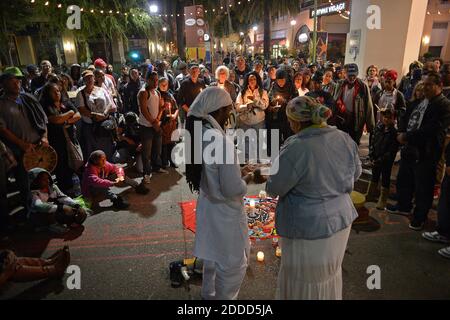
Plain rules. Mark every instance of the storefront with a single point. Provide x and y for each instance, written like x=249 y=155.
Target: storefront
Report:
x=278 y=43
x=293 y=35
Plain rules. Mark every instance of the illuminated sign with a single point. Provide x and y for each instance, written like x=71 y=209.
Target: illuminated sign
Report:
x=329 y=9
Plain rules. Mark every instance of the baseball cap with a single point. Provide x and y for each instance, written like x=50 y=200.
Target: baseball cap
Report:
x=352 y=69
x=391 y=74
x=87 y=73
x=100 y=63
x=193 y=65
x=11 y=72
x=32 y=68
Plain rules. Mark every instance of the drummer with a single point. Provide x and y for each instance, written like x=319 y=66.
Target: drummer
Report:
x=23 y=125
x=221 y=238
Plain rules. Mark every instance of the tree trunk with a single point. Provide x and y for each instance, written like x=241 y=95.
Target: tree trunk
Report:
x=180 y=30
x=230 y=25
x=266 y=30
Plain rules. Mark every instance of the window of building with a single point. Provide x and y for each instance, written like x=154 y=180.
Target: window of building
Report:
x=440 y=25
x=435 y=51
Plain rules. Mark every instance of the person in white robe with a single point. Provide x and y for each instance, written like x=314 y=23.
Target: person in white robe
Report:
x=221 y=238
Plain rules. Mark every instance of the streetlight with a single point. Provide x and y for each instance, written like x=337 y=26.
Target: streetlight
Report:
x=293 y=23
x=165 y=37
x=153 y=8
x=242 y=34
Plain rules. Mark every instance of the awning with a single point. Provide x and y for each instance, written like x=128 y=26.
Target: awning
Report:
x=280 y=42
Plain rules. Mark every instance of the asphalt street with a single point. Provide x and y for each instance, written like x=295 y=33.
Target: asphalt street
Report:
x=126 y=254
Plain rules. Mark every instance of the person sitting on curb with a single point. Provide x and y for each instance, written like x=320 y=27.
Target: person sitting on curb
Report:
x=25 y=269
x=50 y=207
x=98 y=179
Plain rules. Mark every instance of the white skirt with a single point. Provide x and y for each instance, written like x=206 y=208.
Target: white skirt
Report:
x=312 y=269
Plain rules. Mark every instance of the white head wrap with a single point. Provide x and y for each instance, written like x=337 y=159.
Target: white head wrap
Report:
x=210 y=100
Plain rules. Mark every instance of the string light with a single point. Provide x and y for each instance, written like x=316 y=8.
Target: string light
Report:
x=118 y=12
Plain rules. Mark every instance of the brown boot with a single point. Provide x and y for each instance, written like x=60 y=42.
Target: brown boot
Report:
x=25 y=273
x=8 y=266
x=382 y=201
x=372 y=193
x=40 y=262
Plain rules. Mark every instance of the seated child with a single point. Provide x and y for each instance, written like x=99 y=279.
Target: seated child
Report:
x=382 y=151
x=50 y=207
x=98 y=178
x=129 y=145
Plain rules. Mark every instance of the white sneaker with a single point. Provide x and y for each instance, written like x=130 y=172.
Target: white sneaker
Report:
x=445 y=252
x=147 y=178
x=435 y=237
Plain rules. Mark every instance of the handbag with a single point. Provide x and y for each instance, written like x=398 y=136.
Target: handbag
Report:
x=74 y=153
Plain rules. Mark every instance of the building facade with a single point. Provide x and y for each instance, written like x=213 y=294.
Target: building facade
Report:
x=436 y=33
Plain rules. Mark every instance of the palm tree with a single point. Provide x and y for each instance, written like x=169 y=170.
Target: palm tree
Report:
x=50 y=20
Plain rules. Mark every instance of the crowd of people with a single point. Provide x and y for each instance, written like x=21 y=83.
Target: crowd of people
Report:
x=320 y=111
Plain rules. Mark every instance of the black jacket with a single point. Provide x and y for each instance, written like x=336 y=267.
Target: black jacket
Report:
x=279 y=96
x=189 y=91
x=384 y=145
x=429 y=138
x=130 y=96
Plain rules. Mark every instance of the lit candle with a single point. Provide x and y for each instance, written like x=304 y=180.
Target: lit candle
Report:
x=252 y=206
x=277 y=99
x=121 y=175
x=278 y=252
x=260 y=256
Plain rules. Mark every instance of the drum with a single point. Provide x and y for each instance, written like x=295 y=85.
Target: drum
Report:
x=41 y=157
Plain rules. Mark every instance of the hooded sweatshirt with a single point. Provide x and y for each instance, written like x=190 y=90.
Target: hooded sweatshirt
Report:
x=47 y=201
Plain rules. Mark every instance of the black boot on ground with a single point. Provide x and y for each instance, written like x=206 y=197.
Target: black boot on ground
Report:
x=120 y=204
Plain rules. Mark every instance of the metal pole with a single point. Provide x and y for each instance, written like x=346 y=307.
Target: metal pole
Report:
x=315 y=33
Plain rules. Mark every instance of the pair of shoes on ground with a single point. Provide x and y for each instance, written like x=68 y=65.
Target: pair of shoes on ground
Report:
x=436 y=237
x=395 y=209
x=414 y=224
x=148 y=177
